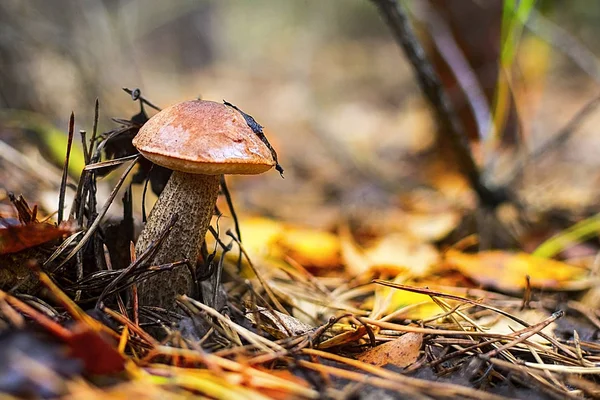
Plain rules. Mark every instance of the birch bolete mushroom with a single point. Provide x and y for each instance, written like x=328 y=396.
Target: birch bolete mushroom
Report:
x=200 y=141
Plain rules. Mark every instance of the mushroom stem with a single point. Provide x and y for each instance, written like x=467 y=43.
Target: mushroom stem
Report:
x=193 y=198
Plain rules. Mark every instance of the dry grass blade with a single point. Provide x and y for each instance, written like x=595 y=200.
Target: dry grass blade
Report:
x=258 y=341
x=131 y=326
x=110 y=163
x=394 y=381
x=62 y=247
x=480 y=303
x=39 y=317
x=220 y=365
x=521 y=337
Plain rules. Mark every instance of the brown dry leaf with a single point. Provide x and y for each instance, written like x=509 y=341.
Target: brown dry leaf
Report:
x=393 y=254
x=507 y=271
x=400 y=352
x=14 y=238
x=343 y=338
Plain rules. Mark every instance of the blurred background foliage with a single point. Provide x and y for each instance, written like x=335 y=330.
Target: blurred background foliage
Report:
x=325 y=78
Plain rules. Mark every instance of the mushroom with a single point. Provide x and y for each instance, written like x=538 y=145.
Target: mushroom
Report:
x=200 y=141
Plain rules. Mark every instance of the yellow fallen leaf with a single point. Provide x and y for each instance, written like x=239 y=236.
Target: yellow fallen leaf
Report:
x=405 y=304
x=260 y=234
x=310 y=247
x=430 y=226
x=414 y=306
x=394 y=254
x=507 y=271
x=400 y=352
x=397 y=253
x=264 y=237
x=352 y=255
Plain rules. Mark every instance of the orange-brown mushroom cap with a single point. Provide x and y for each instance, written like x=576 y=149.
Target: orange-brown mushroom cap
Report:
x=203 y=137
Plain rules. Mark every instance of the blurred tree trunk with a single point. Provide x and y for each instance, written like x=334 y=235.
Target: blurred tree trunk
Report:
x=476 y=28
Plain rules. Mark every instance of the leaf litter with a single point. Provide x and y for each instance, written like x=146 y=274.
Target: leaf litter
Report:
x=300 y=313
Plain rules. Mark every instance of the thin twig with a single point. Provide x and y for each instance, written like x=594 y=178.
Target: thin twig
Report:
x=140 y=97
x=86 y=154
x=95 y=127
x=236 y=222
x=65 y=172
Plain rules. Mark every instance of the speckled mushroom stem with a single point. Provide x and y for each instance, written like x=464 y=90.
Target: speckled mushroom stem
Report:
x=193 y=198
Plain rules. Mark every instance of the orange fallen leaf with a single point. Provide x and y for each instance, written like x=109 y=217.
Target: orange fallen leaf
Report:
x=508 y=271
x=344 y=338
x=14 y=238
x=400 y=352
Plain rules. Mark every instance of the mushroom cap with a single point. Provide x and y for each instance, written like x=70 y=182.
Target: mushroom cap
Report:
x=203 y=137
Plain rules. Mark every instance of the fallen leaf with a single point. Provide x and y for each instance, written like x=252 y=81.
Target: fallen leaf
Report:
x=264 y=237
x=414 y=306
x=310 y=247
x=400 y=352
x=397 y=253
x=259 y=235
x=430 y=226
x=17 y=237
x=393 y=254
x=507 y=271
x=97 y=354
x=344 y=338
